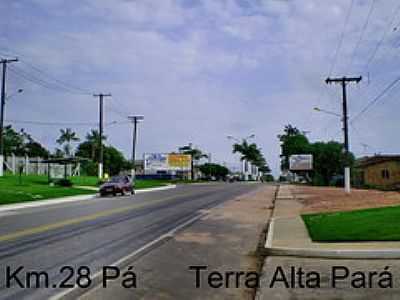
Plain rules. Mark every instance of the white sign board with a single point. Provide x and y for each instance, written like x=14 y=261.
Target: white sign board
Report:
x=156 y=161
x=301 y=162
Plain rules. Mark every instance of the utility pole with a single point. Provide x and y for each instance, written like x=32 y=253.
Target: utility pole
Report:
x=4 y=63
x=134 y=120
x=101 y=97
x=343 y=81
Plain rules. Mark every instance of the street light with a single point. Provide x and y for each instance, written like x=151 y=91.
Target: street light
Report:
x=231 y=137
x=134 y=120
x=327 y=112
x=19 y=91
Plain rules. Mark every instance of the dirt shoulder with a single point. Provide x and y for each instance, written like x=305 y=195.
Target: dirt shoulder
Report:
x=225 y=240
x=330 y=199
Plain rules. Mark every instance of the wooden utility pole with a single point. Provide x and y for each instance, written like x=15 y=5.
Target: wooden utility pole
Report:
x=134 y=120
x=101 y=97
x=343 y=81
x=4 y=63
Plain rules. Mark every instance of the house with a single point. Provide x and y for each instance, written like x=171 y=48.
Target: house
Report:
x=381 y=171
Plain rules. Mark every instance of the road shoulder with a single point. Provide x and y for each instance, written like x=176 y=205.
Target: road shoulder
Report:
x=225 y=240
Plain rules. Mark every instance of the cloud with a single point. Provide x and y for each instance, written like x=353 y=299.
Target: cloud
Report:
x=199 y=70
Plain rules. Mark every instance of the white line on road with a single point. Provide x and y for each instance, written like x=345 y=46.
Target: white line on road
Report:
x=123 y=260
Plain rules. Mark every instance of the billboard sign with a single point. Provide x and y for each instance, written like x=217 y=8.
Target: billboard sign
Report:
x=156 y=161
x=179 y=161
x=301 y=162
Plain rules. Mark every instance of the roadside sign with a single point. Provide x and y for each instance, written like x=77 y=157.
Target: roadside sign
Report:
x=301 y=162
x=156 y=161
x=179 y=161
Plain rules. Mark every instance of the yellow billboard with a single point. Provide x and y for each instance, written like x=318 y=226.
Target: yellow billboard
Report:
x=179 y=161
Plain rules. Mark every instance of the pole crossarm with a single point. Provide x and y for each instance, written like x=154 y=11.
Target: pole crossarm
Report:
x=343 y=80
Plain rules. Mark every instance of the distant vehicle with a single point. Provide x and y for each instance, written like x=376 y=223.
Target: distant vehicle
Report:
x=117 y=185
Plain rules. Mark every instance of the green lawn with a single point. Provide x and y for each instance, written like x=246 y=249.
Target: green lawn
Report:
x=375 y=224
x=85 y=180
x=32 y=188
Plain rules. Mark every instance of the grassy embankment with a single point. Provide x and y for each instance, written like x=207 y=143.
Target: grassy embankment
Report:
x=374 y=224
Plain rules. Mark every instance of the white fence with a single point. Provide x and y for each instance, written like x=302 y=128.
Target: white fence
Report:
x=35 y=166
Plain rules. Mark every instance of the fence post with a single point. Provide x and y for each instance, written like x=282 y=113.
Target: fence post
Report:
x=37 y=165
x=26 y=164
x=13 y=163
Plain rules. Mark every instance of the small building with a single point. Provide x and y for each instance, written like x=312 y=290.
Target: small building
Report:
x=381 y=171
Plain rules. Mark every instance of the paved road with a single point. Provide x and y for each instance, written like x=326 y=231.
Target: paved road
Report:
x=95 y=233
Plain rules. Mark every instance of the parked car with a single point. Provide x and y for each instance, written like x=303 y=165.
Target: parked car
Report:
x=117 y=185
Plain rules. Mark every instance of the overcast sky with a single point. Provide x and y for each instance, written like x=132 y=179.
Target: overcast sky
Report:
x=199 y=70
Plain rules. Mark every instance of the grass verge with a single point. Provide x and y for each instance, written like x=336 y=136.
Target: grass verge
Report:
x=33 y=188
x=374 y=224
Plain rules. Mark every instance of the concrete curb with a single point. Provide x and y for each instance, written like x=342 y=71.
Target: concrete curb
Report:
x=70 y=199
x=45 y=202
x=326 y=253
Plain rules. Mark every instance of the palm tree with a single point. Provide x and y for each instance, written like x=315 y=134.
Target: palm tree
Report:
x=67 y=136
x=196 y=155
x=252 y=154
x=93 y=138
x=249 y=152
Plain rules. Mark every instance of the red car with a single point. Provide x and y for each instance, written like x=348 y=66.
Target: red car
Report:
x=117 y=185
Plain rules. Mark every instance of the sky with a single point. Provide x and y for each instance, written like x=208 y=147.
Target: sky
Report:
x=199 y=70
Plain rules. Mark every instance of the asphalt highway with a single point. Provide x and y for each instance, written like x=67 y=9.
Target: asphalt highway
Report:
x=92 y=233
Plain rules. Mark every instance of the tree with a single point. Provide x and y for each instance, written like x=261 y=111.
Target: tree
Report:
x=293 y=141
x=329 y=160
x=21 y=143
x=253 y=154
x=93 y=138
x=215 y=170
x=328 y=157
x=67 y=136
x=114 y=161
x=35 y=149
x=13 y=142
x=196 y=155
x=248 y=152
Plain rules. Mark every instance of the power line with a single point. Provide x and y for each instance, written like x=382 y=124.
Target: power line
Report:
x=360 y=139
x=43 y=123
x=61 y=83
x=380 y=42
x=35 y=80
x=377 y=98
x=53 y=80
x=52 y=123
x=371 y=8
x=339 y=46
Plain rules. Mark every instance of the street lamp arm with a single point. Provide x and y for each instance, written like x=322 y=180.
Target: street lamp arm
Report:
x=13 y=94
x=327 y=112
